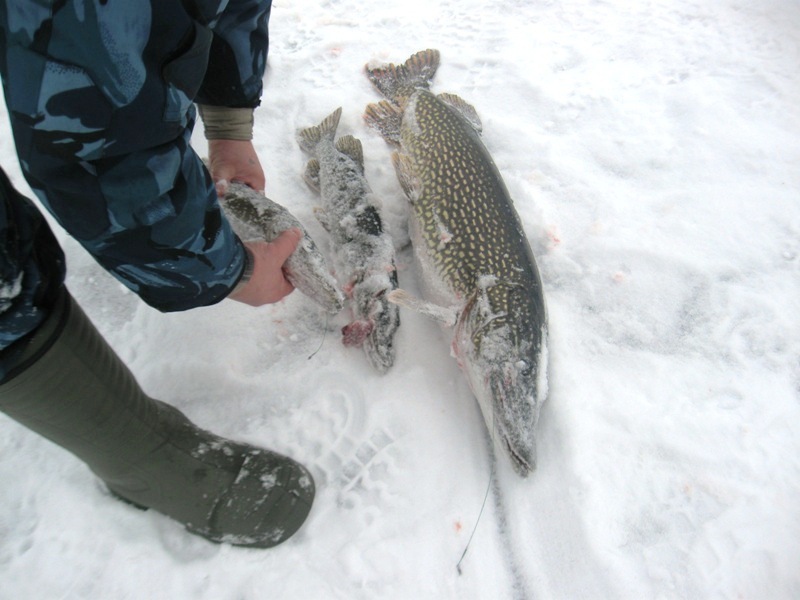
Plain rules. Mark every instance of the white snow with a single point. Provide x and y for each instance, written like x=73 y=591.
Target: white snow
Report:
x=653 y=151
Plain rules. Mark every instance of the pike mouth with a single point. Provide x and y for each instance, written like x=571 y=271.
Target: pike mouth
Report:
x=354 y=334
x=521 y=466
x=523 y=459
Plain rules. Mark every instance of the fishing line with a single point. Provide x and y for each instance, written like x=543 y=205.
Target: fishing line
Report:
x=477 y=521
x=483 y=504
x=322 y=341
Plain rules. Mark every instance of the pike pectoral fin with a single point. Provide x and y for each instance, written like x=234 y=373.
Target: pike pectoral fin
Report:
x=386 y=118
x=442 y=314
x=311 y=174
x=412 y=187
x=464 y=108
x=323 y=218
x=351 y=146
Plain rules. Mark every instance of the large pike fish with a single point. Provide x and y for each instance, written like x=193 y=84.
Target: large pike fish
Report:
x=363 y=251
x=253 y=216
x=478 y=273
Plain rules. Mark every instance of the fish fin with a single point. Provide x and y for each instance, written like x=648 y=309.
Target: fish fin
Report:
x=447 y=316
x=464 y=108
x=412 y=186
x=310 y=137
x=351 y=146
x=311 y=175
x=387 y=119
x=322 y=216
x=398 y=82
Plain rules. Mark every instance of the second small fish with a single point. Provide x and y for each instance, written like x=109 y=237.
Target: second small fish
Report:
x=363 y=251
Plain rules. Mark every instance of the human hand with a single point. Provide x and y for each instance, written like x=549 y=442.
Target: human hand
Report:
x=234 y=160
x=268 y=283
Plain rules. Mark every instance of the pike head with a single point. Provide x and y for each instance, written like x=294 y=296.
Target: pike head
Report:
x=504 y=356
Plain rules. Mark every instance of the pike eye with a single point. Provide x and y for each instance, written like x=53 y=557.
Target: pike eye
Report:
x=524 y=368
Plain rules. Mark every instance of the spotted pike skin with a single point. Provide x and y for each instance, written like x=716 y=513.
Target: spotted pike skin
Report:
x=471 y=249
x=468 y=223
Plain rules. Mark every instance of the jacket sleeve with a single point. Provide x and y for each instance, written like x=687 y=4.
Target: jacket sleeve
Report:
x=100 y=99
x=238 y=55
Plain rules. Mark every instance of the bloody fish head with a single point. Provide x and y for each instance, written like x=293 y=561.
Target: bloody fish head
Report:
x=376 y=319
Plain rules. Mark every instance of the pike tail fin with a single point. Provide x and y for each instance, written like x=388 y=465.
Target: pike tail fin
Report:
x=397 y=82
x=310 y=137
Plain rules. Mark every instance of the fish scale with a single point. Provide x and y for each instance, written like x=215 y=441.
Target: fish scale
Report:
x=461 y=184
x=478 y=272
x=254 y=216
x=460 y=190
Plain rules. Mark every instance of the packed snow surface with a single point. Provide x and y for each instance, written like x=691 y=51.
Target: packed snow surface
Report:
x=653 y=153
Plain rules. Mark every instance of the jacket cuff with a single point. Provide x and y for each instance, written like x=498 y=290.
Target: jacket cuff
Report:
x=247 y=270
x=225 y=123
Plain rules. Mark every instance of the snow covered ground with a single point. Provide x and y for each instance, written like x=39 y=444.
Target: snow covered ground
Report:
x=653 y=151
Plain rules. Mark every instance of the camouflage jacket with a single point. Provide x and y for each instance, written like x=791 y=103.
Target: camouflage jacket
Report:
x=100 y=95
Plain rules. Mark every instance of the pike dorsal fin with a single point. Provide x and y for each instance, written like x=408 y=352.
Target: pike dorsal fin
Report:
x=351 y=147
x=464 y=108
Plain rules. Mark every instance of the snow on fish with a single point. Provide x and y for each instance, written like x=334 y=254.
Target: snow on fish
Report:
x=479 y=276
x=363 y=251
x=253 y=216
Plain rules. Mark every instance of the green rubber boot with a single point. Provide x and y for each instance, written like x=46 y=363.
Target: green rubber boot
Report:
x=70 y=387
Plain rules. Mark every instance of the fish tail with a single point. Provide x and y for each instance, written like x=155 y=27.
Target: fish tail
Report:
x=310 y=137
x=398 y=82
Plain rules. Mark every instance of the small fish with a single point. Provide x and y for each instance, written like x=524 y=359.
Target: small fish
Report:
x=363 y=251
x=253 y=216
x=479 y=276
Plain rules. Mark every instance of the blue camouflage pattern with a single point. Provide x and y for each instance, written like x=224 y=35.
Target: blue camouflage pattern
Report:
x=100 y=95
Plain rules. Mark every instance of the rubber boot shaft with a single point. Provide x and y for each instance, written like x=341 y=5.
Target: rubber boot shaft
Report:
x=73 y=389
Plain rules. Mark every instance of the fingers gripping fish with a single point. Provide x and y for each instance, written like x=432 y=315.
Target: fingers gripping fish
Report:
x=363 y=251
x=253 y=216
x=478 y=272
